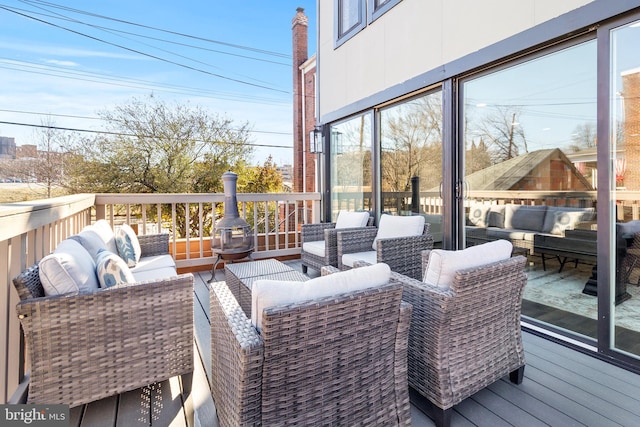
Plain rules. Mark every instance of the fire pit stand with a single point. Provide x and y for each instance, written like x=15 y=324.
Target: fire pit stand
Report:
x=232 y=238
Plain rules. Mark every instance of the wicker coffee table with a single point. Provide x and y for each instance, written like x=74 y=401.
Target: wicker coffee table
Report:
x=240 y=277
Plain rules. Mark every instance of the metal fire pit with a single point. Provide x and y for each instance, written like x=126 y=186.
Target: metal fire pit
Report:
x=232 y=238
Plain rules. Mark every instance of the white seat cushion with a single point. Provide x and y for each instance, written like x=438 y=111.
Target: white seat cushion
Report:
x=399 y=226
x=314 y=248
x=369 y=256
x=443 y=264
x=272 y=293
x=154 y=262
x=348 y=219
x=154 y=274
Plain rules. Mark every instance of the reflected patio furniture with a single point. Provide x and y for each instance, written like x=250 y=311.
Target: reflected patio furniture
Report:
x=576 y=245
x=337 y=360
x=464 y=338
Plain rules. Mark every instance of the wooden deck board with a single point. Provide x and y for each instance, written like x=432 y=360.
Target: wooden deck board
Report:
x=562 y=387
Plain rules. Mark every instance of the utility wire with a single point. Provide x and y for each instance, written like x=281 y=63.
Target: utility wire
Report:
x=143 y=53
x=100 y=27
x=49 y=70
x=133 y=135
x=237 y=46
x=120 y=34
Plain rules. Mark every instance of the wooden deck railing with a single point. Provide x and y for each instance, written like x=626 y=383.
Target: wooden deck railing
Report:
x=31 y=230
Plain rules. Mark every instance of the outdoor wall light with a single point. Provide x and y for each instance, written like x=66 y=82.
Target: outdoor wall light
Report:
x=315 y=140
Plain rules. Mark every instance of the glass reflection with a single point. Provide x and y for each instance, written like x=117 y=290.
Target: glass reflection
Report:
x=625 y=183
x=531 y=175
x=411 y=159
x=351 y=165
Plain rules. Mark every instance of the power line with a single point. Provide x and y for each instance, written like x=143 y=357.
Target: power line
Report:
x=128 y=134
x=143 y=53
x=129 y=82
x=237 y=46
x=110 y=29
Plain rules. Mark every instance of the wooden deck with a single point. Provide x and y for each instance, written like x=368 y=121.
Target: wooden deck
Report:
x=562 y=387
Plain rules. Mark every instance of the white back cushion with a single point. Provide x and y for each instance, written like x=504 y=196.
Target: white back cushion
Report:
x=70 y=268
x=352 y=219
x=398 y=226
x=105 y=232
x=272 y=293
x=443 y=264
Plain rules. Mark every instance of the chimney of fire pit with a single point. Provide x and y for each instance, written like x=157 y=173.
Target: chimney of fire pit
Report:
x=231 y=215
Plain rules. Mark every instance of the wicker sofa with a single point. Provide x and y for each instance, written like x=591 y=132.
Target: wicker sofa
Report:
x=521 y=223
x=338 y=359
x=90 y=344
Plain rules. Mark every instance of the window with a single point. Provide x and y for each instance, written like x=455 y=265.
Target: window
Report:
x=378 y=7
x=350 y=19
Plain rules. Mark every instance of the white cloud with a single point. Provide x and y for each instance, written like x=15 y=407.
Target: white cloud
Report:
x=52 y=50
x=61 y=63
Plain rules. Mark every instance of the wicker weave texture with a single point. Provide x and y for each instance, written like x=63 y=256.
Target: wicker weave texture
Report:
x=84 y=347
x=328 y=233
x=467 y=337
x=402 y=254
x=334 y=361
x=154 y=244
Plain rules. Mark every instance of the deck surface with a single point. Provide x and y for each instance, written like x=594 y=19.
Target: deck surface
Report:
x=562 y=387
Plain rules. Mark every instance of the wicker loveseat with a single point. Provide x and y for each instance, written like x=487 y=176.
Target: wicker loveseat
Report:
x=87 y=345
x=465 y=336
x=332 y=360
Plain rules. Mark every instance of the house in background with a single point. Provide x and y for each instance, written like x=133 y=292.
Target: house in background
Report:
x=408 y=88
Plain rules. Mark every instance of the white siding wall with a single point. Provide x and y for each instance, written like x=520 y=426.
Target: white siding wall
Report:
x=417 y=36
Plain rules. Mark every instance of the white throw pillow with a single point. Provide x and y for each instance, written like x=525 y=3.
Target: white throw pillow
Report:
x=443 y=264
x=112 y=270
x=272 y=293
x=128 y=245
x=352 y=219
x=392 y=226
x=70 y=268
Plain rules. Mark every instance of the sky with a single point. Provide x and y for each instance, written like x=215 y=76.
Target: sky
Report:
x=66 y=61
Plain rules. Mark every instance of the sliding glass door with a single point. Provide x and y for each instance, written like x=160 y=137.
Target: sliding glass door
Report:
x=624 y=157
x=530 y=176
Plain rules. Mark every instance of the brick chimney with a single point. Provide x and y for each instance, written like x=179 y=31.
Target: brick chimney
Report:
x=299 y=27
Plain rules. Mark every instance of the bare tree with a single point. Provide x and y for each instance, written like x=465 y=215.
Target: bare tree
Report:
x=412 y=144
x=503 y=134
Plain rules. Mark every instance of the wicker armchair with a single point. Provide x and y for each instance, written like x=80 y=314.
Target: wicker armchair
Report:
x=328 y=233
x=87 y=346
x=402 y=254
x=466 y=337
x=339 y=360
